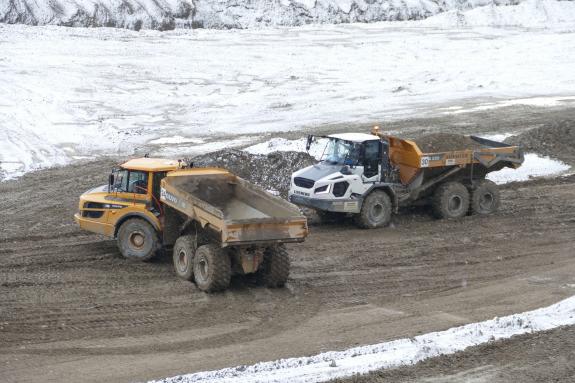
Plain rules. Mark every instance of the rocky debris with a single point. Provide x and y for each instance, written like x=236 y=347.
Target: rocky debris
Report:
x=271 y=172
x=555 y=139
x=221 y=14
x=445 y=142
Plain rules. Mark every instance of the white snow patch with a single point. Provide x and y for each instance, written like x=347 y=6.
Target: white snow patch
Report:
x=283 y=145
x=534 y=166
x=543 y=102
x=527 y=14
x=197 y=149
x=106 y=91
x=175 y=140
x=499 y=137
x=407 y=351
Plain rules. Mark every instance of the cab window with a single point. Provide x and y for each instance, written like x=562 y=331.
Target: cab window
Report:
x=131 y=181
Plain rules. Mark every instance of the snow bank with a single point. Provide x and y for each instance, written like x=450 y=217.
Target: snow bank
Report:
x=534 y=166
x=279 y=144
x=223 y=14
x=528 y=14
x=335 y=364
x=68 y=92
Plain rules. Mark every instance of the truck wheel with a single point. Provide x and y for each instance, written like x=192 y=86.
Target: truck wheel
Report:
x=183 y=257
x=375 y=211
x=137 y=239
x=450 y=200
x=485 y=198
x=212 y=268
x=274 y=270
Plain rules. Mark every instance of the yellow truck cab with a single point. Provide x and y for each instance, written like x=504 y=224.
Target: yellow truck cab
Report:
x=133 y=191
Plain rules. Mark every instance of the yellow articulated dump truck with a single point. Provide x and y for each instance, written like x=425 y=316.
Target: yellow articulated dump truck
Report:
x=370 y=176
x=217 y=223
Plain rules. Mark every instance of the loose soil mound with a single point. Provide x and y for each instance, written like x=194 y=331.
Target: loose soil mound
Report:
x=272 y=171
x=555 y=139
x=445 y=142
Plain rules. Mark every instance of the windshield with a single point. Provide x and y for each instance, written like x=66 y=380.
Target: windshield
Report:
x=342 y=152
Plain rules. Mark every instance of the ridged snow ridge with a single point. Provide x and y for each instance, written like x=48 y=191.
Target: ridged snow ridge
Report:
x=222 y=14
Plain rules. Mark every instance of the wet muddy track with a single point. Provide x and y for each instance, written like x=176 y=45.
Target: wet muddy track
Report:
x=72 y=309
x=66 y=294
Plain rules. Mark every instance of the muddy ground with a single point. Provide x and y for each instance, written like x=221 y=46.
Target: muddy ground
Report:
x=71 y=309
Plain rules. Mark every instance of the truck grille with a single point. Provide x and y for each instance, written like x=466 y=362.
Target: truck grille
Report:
x=303 y=182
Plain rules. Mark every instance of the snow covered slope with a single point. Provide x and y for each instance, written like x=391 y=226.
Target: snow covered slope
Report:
x=168 y=14
x=67 y=93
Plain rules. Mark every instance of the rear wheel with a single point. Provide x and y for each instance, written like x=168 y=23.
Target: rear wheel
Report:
x=274 y=270
x=375 y=211
x=183 y=257
x=450 y=200
x=212 y=268
x=485 y=198
x=137 y=239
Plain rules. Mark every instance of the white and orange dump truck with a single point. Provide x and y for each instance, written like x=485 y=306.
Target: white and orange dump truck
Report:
x=368 y=177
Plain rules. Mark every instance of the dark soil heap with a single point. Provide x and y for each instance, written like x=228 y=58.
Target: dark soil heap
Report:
x=445 y=142
x=272 y=171
x=556 y=139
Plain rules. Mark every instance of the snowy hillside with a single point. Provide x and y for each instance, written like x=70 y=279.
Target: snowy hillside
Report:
x=222 y=14
x=70 y=93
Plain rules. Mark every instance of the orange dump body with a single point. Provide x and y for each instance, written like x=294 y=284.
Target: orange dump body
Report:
x=492 y=156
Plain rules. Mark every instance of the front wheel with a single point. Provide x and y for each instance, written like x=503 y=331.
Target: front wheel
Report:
x=212 y=268
x=375 y=211
x=138 y=240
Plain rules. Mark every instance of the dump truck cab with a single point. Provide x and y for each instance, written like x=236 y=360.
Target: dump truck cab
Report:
x=133 y=191
x=350 y=165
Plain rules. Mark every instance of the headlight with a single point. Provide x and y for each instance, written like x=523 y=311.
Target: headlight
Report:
x=340 y=188
x=322 y=189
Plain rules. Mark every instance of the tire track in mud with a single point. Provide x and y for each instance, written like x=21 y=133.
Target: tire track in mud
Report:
x=66 y=294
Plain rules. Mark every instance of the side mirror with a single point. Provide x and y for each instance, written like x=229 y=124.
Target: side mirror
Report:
x=111 y=179
x=309 y=142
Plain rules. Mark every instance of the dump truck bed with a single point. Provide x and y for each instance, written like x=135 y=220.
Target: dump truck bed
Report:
x=239 y=211
x=486 y=155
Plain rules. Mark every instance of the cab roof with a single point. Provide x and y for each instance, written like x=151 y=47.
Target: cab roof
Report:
x=151 y=164
x=354 y=137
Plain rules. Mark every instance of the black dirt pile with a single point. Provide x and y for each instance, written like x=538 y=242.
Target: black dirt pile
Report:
x=271 y=172
x=445 y=142
x=556 y=139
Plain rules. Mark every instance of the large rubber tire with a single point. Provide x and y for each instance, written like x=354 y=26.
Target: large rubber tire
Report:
x=212 y=268
x=274 y=270
x=485 y=198
x=375 y=211
x=450 y=200
x=183 y=257
x=138 y=240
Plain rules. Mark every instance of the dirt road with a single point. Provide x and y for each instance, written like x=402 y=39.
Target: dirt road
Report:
x=71 y=309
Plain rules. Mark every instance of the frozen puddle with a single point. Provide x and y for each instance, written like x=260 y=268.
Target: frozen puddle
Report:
x=407 y=351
